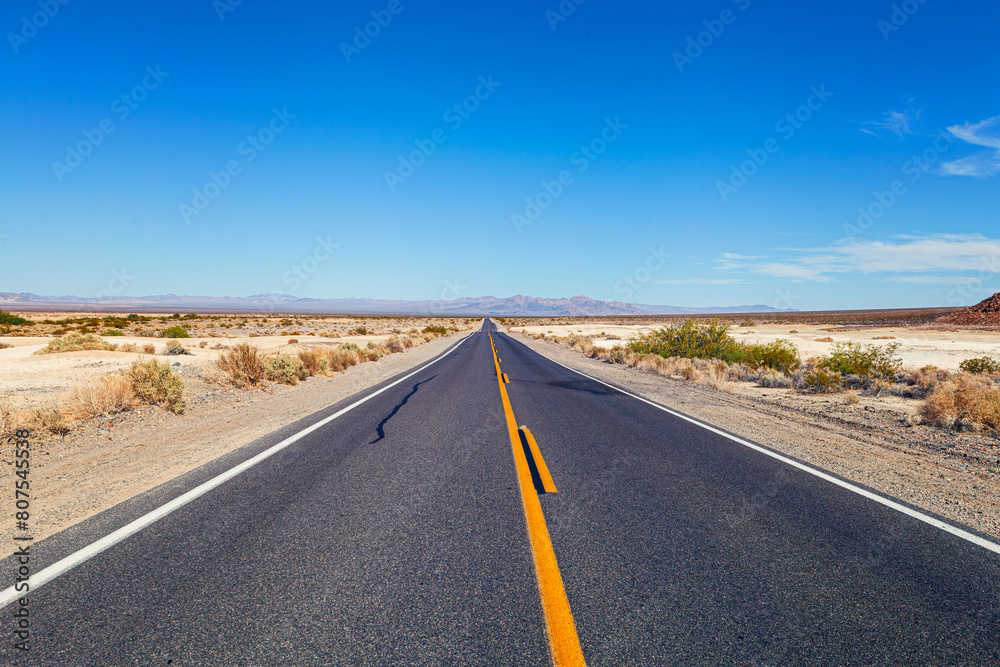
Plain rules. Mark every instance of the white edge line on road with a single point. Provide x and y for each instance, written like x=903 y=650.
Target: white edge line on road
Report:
x=937 y=523
x=62 y=566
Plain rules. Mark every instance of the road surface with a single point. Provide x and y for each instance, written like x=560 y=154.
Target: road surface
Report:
x=395 y=534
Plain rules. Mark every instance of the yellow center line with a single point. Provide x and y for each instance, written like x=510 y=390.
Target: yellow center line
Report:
x=548 y=484
x=563 y=640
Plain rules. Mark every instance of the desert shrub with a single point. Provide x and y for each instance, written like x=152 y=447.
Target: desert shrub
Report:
x=112 y=332
x=174 y=347
x=707 y=340
x=793 y=331
x=824 y=339
x=4 y=346
x=711 y=340
x=393 y=345
x=191 y=316
x=11 y=421
x=980 y=365
x=342 y=358
x=373 y=352
x=435 y=330
x=11 y=319
x=867 y=361
x=883 y=338
x=156 y=384
x=774 y=380
x=579 y=343
x=779 y=355
x=49 y=419
x=313 y=360
x=360 y=331
x=175 y=332
x=75 y=342
x=748 y=323
x=128 y=347
x=618 y=355
x=879 y=387
x=285 y=369
x=243 y=366
x=149 y=348
x=965 y=402
x=293 y=341
x=822 y=381
x=104 y=395
x=850 y=398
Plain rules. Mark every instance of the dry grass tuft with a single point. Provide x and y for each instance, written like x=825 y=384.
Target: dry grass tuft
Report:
x=242 y=367
x=105 y=395
x=50 y=419
x=965 y=402
x=824 y=339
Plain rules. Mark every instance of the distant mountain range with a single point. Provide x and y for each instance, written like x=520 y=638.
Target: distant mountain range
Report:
x=525 y=306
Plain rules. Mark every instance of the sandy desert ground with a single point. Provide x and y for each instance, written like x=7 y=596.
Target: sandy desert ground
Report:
x=945 y=348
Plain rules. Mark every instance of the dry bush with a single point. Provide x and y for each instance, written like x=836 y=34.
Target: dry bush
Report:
x=242 y=367
x=293 y=341
x=822 y=381
x=716 y=374
x=174 y=347
x=824 y=339
x=618 y=355
x=155 y=383
x=284 y=368
x=921 y=383
x=128 y=347
x=341 y=358
x=850 y=398
x=10 y=421
x=149 y=348
x=653 y=362
x=689 y=373
x=4 y=346
x=314 y=360
x=393 y=345
x=75 y=342
x=50 y=419
x=883 y=338
x=104 y=395
x=774 y=380
x=965 y=402
x=579 y=343
x=374 y=352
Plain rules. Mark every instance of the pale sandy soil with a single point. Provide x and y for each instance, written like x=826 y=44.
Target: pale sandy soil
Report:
x=918 y=346
x=102 y=462
x=876 y=442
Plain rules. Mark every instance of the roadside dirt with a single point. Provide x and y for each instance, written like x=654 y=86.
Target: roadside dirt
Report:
x=103 y=462
x=873 y=443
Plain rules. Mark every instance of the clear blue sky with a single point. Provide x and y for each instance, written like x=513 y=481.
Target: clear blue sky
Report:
x=330 y=123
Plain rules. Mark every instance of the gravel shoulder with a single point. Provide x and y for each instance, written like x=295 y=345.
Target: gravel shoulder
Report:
x=875 y=443
x=103 y=462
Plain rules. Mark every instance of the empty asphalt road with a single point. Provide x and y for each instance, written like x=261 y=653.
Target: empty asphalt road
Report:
x=396 y=534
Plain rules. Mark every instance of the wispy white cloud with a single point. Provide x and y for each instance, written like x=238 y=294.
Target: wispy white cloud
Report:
x=931 y=280
x=702 y=281
x=897 y=122
x=985 y=163
x=932 y=254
